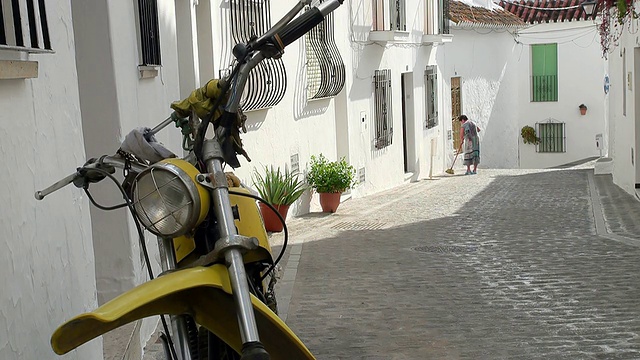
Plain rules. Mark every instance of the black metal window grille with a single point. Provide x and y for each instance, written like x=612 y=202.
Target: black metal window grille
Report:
x=267 y=82
x=149 y=32
x=382 y=104
x=544 y=88
x=431 y=95
x=24 y=26
x=443 y=16
x=552 y=137
x=397 y=16
x=325 y=69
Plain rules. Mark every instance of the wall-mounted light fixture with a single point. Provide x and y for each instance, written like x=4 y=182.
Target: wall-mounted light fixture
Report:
x=589 y=7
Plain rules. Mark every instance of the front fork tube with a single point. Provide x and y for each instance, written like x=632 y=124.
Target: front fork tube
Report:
x=179 y=331
x=232 y=254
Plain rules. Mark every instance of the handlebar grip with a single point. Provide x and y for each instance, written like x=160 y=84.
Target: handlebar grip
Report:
x=300 y=26
x=55 y=187
x=307 y=21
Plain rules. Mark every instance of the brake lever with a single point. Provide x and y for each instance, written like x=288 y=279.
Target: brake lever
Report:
x=87 y=175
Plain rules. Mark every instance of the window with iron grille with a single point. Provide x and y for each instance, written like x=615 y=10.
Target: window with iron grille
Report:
x=325 y=69
x=24 y=26
x=544 y=72
x=149 y=32
x=382 y=109
x=267 y=82
x=552 y=137
x=392 y=19
x=431 y=95
x=398 y=15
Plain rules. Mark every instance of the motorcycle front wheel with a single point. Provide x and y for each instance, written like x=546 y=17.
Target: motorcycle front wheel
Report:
x=210 y=347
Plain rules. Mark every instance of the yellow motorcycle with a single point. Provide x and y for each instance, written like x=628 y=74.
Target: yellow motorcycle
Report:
x=218 y=279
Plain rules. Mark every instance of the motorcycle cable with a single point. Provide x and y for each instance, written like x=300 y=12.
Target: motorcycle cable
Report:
x=102 y=207
x=143 y=246
x=284 y=227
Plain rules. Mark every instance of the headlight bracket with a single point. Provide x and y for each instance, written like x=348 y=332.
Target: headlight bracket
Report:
x=244 y=243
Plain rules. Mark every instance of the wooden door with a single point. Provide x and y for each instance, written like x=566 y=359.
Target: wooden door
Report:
x=456 y=110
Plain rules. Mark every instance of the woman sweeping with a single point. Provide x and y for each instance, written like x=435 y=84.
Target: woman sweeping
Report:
x=469 y=136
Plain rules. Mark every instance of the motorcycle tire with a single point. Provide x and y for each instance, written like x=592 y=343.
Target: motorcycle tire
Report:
x=211 y=347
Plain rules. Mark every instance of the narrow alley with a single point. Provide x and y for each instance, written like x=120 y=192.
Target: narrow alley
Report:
x=507 y=264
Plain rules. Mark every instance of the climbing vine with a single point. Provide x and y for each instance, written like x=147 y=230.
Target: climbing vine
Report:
x=615 y=16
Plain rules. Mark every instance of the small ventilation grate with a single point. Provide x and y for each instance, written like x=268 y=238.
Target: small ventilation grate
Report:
x=445 y=249
x=359 y=225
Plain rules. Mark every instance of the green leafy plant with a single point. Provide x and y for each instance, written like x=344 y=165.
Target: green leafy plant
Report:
x=279 y=187
x=529 y=135
x=330 y=176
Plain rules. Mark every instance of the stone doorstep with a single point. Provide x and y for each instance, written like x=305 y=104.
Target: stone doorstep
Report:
x=603 y=166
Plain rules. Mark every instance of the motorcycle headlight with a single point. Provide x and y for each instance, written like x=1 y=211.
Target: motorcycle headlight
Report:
x=167 y=198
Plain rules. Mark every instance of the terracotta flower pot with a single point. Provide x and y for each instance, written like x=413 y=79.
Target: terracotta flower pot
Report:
x=271 y=221
x=330 y=201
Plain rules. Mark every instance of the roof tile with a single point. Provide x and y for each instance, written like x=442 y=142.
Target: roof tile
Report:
x=545 y=11
x=462 y=13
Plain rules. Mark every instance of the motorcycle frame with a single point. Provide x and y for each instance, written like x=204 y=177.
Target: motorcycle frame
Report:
x=233 y=244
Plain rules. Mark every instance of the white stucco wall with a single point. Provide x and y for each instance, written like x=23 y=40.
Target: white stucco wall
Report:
x=485 y=61
x=623 y=119
x=48 y=272
x=581 y=71
x=115 y=100
x=495 y=69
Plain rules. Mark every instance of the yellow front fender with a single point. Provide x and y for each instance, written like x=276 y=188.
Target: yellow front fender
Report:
x=204 y=293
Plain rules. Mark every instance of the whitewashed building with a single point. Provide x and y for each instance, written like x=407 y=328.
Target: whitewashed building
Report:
x=557 y=51
x=366 y=91
x=482 y=80
x=48 y=268
x=506 y=74
x=75 y=77
x=623 y=54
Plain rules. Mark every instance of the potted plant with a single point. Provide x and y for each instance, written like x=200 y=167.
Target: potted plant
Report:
x=529 y=135
x=583 y=109
x=280 y=189
x=330 y=179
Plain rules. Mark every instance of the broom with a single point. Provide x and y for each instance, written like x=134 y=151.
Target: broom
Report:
x=450 y=170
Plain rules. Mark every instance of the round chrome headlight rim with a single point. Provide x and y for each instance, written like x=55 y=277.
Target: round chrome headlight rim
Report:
x=186 y=178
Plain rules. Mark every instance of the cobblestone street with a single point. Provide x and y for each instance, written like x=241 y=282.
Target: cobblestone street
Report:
x=502 y=265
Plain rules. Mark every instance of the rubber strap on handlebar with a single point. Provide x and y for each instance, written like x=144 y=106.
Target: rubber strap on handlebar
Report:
x=227 y=122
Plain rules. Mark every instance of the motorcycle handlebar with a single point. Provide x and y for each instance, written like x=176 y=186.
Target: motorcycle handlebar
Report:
x=108 y=160
x=307 y=21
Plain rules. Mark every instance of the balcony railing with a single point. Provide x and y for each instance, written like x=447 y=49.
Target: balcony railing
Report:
x=544 y=88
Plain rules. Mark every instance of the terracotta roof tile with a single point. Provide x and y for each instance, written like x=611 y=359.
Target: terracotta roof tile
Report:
x=544 y=11
x=461 y=13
